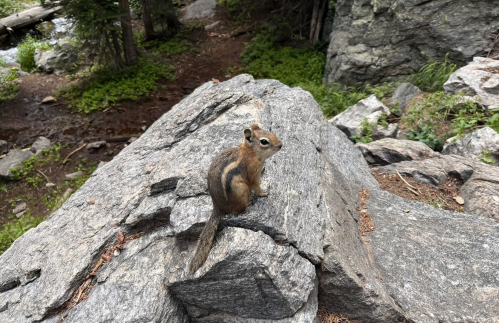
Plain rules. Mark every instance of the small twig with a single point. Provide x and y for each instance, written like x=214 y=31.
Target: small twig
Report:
x=48 y=180
x=2 y=156
x=410 y=186
x=410 y=189
x=71 y=153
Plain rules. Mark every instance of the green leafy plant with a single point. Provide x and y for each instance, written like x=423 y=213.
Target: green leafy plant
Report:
x=432 y=76
x=26 y=52
x=366 y=132
x=15 y=228
x=486 y=157
x=105 y=88
x=426 y=133
x=2 y=62
x=9 y=7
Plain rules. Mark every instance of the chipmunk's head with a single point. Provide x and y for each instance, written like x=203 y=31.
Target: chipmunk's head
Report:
x=263 y=143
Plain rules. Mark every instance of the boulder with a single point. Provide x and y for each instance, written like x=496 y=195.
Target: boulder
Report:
x=403 y=95
x=375 y=41
x=58 y=59
x=481 y=192
x=434 y=171
x=309 y=229
x=276 y=283
x=199 y=9
x=381 y=132
x=349 y=121
x=14 y=159
x=5 y=72
x=388 y=151
x=473 y=145
x=479 y=81
x=40 y=145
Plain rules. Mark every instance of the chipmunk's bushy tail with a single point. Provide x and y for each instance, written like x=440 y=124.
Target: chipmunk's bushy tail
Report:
x=206 y=240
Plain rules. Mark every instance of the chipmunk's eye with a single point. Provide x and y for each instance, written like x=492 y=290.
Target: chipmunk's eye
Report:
x=264 y=142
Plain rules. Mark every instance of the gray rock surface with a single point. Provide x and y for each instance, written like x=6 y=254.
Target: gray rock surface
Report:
x=434 y=171
x=5 y=72
x=276 y=283
x=474 y=144
x=4 y=146
x=403 y=95
x=96 y=144
x=377 y=40
x=14 y=159
x=479 y=81
x=41 y=144
x=58 y=59
x=388 y=151
x=199 y=9
x=157 y=182
x=380 y=132
x=481 y=192
x=349 y=121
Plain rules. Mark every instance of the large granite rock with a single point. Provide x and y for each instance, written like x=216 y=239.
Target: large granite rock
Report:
x=478 y=81
x=474 y=145
x=403 y=95
x=307 y=230
x=349 y=121
x=200 y=9
x=374 y=41
x=62 y=57
x=481 y=192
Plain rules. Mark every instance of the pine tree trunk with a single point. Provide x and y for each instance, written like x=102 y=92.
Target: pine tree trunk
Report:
x=129 y=48
x=171 y=18
x=146 y=17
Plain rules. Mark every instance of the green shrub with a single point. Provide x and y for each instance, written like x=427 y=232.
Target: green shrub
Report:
x=8 y=89
x=432 y=76
x=366 y=132
x=104 y=88
x=486 y=157
x=174 y=46
x=26 y=52
x=12 y=230
x=426 y=133
x=2 y=62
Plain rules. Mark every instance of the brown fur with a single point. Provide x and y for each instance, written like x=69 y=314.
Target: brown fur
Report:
x=232 y=174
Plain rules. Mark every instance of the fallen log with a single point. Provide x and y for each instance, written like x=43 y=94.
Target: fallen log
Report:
x=25 y=18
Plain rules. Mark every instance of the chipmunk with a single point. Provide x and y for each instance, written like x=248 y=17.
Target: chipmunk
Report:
x=232 y=174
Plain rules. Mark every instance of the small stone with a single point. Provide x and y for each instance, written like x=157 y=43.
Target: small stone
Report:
x=101 y=163
x=72 y=176
x=459 y=200
x=41 y=144
x=406 y=211
x=116 y=252
x=211 y=26
x=22 y=73
x=4 y=147
x=96 y=145
x=20 y=214
x=49 y=185
x=110 y=153
x=19 y=208
x=143 y=128
x=49 y=99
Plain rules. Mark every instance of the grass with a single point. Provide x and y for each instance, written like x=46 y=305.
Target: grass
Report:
x=9 y=7
x=16 y=228
x=103 y=88
x=432 y=76
x=26 y=52
x=174 y=46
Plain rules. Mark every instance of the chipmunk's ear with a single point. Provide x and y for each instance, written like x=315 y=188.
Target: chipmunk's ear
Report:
x=255 y=127
x=248 y=136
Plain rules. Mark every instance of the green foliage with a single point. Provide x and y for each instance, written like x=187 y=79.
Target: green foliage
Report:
x=15 y=228
x=105 y=88
x=9 y=7
x=434 y=106
x=2 y=61
x=26 y=52
x=174 y=46
x=426 y=133
x=28 y=166
x=467 y=117
x=486 y=157
x=432 y=76
x=8 y=89
x=242 y=5
x=493 y=121
x=366 y=132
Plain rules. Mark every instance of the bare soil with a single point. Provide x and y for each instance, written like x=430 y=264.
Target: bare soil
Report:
x=441 y=197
